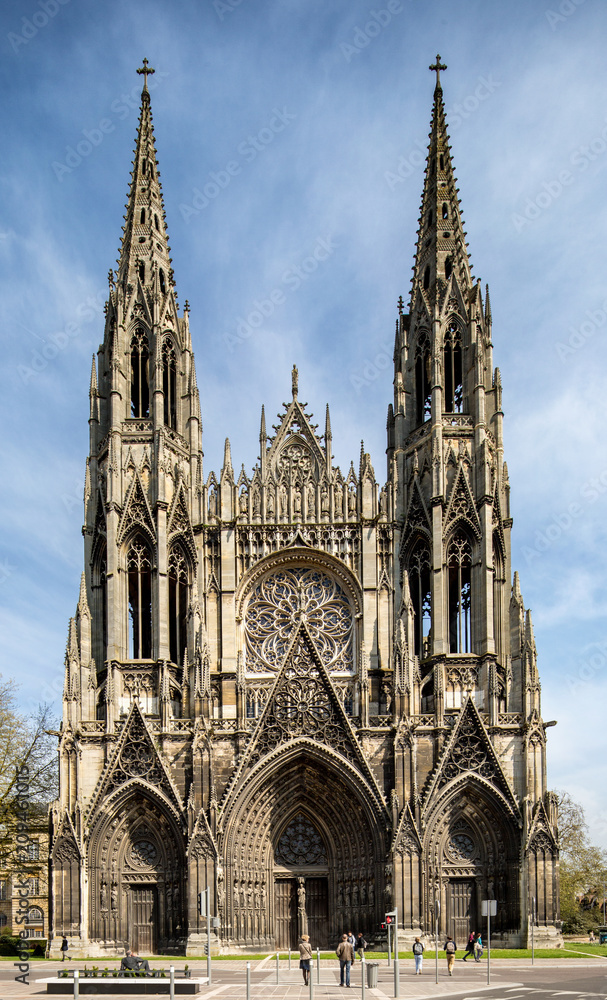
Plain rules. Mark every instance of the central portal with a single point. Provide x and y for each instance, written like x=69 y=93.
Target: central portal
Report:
x=144 y=919
x=301 y=905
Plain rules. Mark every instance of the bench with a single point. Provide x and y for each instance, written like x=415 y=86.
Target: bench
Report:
x=111 y=985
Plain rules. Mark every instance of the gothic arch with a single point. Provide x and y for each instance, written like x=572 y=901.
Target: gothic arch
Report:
x=136 y=866
x=471 y=850
x=313 y=781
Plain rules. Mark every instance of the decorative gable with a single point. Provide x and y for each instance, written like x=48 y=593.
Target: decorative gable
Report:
x=136 y=512
x=461 y=505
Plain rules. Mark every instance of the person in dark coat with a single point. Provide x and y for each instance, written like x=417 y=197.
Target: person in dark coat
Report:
x=470 y=946
x=64 y=948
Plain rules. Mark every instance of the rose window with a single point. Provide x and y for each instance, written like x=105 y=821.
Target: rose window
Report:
x=143 y=854
x=461 y=847
x=287 y=597
x=300 y=844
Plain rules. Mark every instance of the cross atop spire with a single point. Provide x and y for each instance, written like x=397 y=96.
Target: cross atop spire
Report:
x=147 y=71
x=438 y=65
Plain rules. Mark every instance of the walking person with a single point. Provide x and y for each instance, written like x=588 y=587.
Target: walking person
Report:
x=345 y=954
x=450 y=948
x=418 y=954
x=470 y=945
x=63 y=949
x=478 y=948
x=305 y=957
x=361 y=944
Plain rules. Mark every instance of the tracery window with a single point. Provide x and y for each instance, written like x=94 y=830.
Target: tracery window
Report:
x=300 y=844
x=169 y=383
x=459 y=563
x=452 y=352
x=139 y=568
x=140 y=385
x=419 y=588
x=178 y=604
x=423 y=380
x=283 y=599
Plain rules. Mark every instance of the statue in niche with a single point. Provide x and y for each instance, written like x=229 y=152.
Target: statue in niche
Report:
x=340 y=894
x=256 y=503
x=283 y=501
x=263 y=894
x=114 y=896
x=310 y=498
x=383 y=502
x=363 y=893
x=103 y=895
x=243 y=502
x=236 y=891
x=270 y=503
x=297 y=502
x=371 y=893
x=324 y=501
x=213 y=501
x=243 y=894
x=352 y=501
x=355 y=894
x=338 y=494
x=256 y=895
x=220 y=892
x=347 y=894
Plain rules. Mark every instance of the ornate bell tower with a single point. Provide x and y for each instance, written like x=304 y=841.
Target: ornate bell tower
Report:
x=470 y=742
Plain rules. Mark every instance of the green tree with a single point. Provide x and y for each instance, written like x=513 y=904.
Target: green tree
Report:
x=583 y=868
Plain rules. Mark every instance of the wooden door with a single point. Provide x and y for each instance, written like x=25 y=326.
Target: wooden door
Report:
x=461 y=912
x=285 y=913
x=317 y=911
x=144 y=909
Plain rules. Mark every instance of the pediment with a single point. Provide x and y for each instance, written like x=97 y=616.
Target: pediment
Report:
x=136 y=513
x=460 y=505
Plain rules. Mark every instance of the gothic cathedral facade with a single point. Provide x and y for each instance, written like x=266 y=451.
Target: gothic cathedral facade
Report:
x=312 y=694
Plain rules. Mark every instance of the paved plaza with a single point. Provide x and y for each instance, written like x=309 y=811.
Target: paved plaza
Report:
x=549 y=979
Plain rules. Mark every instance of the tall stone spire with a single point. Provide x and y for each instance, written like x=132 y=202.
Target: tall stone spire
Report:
x=441 y=245
x=145 y=252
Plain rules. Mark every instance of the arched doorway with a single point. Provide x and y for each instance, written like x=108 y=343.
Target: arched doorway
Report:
x=302 y=847
x=136 y=875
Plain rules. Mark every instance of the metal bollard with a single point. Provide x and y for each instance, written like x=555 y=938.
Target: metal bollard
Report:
x=248 y=981
x=76 y=984
x=172 y=983
x=289 y=959
x=363 y=971
x=277 y=967
x=317 y=966
x=311 y=983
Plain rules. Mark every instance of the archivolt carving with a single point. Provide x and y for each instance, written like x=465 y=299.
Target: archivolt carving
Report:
x=287 y=597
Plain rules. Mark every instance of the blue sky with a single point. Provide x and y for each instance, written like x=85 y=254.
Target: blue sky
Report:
x=322 y=109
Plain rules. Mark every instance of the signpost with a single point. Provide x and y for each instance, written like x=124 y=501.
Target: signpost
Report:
x=204 y=909
x=392 y=918
x=488 y=910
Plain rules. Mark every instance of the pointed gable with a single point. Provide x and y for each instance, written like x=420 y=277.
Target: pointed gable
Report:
x=470 y=752
x=406 y=838
x=136 y=513
x=417 y=512
x=179 y=524
x=136 y=757
x=460 y=506
x=303 y=703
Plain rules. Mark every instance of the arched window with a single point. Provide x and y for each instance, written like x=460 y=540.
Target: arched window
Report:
x=459 y=565
x=156 y=223
x=423 y=382
x=452 y=352
x=139 y=567
x=448 y=268
x=142 y=273
x=35 y=922
x=442 y=163
x=445 y=210
x=140 y=386
x=178 y=604
x=142 y=217
x=427 y=278
x=163 y=286
x=169 y=383
x=419 y=588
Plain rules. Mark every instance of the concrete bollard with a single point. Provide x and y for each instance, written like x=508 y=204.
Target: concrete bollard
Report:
x=172 y=983
x=76 y=984
x=248 y=981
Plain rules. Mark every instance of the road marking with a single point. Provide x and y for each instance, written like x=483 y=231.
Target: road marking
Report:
x=220 y=989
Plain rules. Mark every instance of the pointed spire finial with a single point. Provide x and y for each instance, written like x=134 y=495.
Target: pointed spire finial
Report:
x=294 y=381
x=146 y=70
x=438 y=65
x=401 y=305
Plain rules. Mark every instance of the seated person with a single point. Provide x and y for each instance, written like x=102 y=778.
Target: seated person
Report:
x=130 y=962
x=142 y=963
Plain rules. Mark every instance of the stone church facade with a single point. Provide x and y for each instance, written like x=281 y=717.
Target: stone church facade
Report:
x=312 y=693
